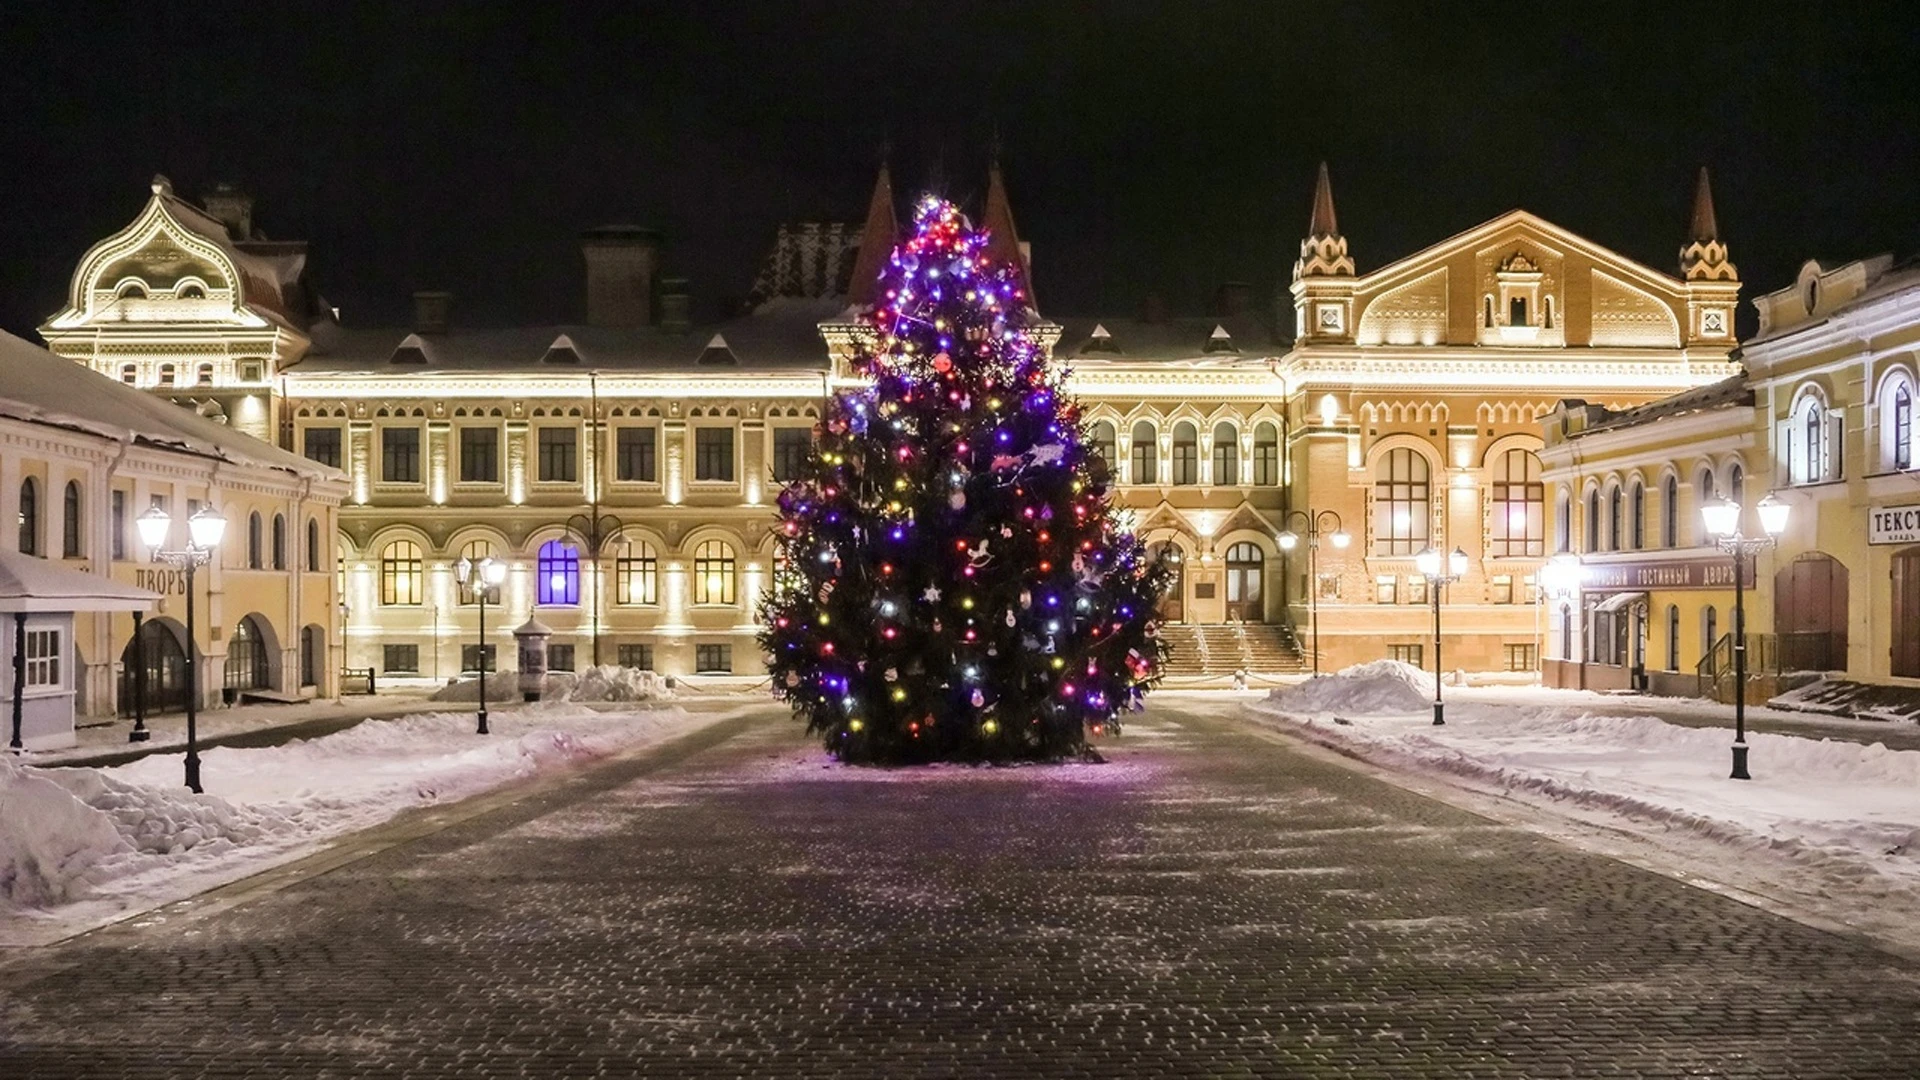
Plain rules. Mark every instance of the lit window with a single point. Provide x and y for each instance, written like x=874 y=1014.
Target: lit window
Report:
x=43 y=658
x=1400 y=507
x=559 y=570
x=1519 y=505
x=713 y=573
x=637 y=575
x=1386 y=589
x=402 y=578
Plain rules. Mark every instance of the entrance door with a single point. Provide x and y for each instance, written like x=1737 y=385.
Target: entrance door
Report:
x=1906 y=613
x=1245 y=571
x=1810 y=613
x=166 y=671
x=246 y=657
x=1172 y=606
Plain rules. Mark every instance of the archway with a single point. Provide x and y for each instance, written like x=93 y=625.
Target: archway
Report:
x=1906 y=613
x=251 y=655
x=1810 y=613
x=313 y=653
x=166 y=661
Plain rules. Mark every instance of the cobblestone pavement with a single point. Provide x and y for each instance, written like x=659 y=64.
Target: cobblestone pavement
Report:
x=1207 y=904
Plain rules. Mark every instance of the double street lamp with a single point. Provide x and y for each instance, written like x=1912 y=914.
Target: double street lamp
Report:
x=1428 y=563
x=1289 y=540
x=1723 y=525
x=204 y=530
x=482 y=577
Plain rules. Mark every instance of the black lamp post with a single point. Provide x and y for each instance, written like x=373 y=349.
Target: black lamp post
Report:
x=1428 y=563
x=139 y=732
x=1723 y=524
x=204 y=530
x=1289 y=540
x=482 y=577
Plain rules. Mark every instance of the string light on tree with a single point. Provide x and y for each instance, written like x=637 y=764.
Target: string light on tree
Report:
x=953 y=582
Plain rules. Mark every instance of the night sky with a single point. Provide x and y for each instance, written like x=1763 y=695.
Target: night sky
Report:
x=1147 y=147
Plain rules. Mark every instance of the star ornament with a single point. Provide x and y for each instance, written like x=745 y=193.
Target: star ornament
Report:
x=932 y=595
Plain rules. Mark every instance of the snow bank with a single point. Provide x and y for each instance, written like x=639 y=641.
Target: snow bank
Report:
x=82 y=846
x=1832 y=825
x=1378 y=686
x=607 y=682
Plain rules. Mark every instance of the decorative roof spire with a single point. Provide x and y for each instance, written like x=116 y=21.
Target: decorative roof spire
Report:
x=877 y=238
x=1324 y=252
x=1003 y=243
x=1703 y=257
x=1324 y=223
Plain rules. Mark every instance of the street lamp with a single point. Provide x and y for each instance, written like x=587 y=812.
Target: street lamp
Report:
x=1723 y=524
x=1559 y=579
x=1428 y=563
x=204 y=530
x=487 y=574
x=1289 y=540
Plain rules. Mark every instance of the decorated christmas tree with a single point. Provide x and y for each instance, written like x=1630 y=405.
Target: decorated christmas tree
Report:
x=952 y=583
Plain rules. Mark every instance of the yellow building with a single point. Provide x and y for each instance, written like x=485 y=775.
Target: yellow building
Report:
x=82 y=456
x=625 y=466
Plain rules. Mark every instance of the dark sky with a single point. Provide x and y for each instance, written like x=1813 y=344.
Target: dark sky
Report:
x=1148 y=147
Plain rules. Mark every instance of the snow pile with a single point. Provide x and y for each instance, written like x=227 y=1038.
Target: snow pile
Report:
x=82 y=846
x=1378 y=686
x=1826 y=823
x=502 y=686
x=607 y=683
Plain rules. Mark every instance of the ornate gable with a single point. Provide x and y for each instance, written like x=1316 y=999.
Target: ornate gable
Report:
x=160 y=269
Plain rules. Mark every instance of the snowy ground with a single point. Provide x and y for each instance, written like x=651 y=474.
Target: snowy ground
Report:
x=83 y=846
x=1826 y=828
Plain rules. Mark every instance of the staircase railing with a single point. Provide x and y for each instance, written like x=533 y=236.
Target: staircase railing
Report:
x=1764 y=654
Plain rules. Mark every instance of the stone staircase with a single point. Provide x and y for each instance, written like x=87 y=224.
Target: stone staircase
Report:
x=1224 y=649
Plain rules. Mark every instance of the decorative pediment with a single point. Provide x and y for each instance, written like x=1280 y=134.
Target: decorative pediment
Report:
x=1625 y=314
x=1518 y=263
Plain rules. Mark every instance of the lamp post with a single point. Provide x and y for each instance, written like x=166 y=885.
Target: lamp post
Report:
x=204 y=530
x=1289 y=539
x=1428 y=563
x=485 y=576
x=1723 y=524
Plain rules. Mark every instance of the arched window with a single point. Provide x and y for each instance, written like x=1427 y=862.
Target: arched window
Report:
x=313 y=646
x=1709 y=630
x=1400 y=507
x=1146 y=455
x=313 y=545
x=1546 y=312
x=1670 y=512
x=637 y=573
x=1737 y=484
x=1807 y=441
x=247 y=665
x=1517 y=311
x=132 y=290
x=1100 y=441
x=166 y=375
x=473 y=551
x=70 y=543
x=1186 y=453
x=713 y=573
x=255 y=542
x=29 y=517
x=1244 y=569
x=279 y=542
x=1519 y=505
x=402 y=579
x=1673 y=637
x=1488 y=316
x=1616 y=514
x=1226 y=454
x=1266 y=455
x=191 y=292
x=559 y=571
x=1897 y=444
x=1593 y=520
x=1637 y=515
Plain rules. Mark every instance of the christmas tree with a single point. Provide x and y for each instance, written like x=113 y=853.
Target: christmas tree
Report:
x=951 y=582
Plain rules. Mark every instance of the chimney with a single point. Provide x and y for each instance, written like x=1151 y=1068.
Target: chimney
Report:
x=432 y=311
x=676 y=306
x=621 y=261
x=1153 y=309
x=1232 y=298
x=233 y=208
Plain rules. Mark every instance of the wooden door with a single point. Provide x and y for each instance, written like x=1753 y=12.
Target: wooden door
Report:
x=1906 y=613
x=1810 y=612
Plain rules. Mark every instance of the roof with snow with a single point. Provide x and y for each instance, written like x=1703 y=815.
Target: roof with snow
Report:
x=1213 y=340
x=40 y=388
x=32 y=584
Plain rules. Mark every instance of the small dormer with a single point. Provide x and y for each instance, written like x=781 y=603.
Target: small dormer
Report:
x=717 y=352
x=411 y=350
x=1219 y=341
x=1099 y=343
x=561 y=351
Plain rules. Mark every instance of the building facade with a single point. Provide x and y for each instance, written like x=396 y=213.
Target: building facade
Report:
x=626 y=467
x=83 y=456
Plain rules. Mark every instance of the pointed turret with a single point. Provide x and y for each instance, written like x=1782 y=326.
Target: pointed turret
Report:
x=1003 y=243
x=1704 y=257
x=877 y=239
x=1324 y=252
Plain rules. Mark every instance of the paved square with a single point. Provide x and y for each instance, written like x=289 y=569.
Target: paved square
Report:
x=1208 y=904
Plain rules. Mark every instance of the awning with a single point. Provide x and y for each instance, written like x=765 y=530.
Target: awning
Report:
x=33 y=584
x=1619 y=600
